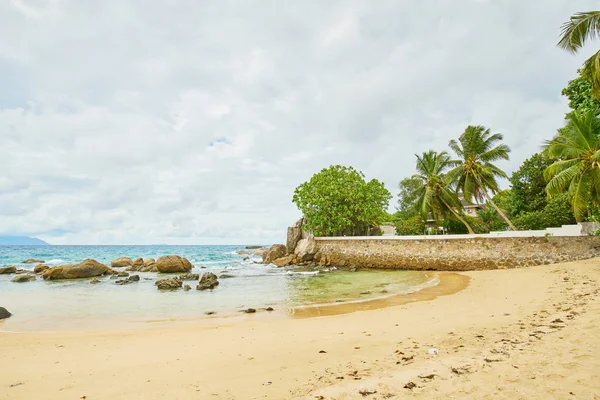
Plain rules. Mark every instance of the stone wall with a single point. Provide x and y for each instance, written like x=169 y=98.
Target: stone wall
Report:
x=454 y=254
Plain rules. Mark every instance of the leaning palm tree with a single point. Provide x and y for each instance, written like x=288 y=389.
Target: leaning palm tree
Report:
x=474 y=173
x=574 y=33
x=576 y=147
x=434 y=194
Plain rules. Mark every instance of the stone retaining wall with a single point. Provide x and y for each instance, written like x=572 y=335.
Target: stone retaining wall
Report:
x=454 y=254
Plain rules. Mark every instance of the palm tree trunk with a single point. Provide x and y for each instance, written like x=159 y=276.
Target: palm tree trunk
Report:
x=461 y=219
x=504 y=217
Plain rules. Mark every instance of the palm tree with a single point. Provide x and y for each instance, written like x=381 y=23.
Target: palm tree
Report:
x=574 y=33
x=434 y=194
x=474 y=173
x=576 y=148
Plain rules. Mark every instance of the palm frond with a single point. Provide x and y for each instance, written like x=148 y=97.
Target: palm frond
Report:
x=581 y=27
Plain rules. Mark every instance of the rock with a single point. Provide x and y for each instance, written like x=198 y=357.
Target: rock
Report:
x=241 y=252
x=40 y=268
x=260 y=252
x=253 y=247
x=246 y=258
x=121 y=262
x=122 y=274
x=250 y=311
x=149 y=261
x=283 y=261
x=294 y=234
x=225 y=276
x=306 y=249
x=11 y=269
x=173 y=263
x=95 y=280
x=269 y=309
x=187 y=287
x=138 y=262
x=23 y=278
x=168 y=284
x=276 y=251
x=188 y=277
x=86 y=269
x=208 y=281
x=33 y=261
x=22 y=271
x=132 y=278
x=210 y=312
x=4 y=313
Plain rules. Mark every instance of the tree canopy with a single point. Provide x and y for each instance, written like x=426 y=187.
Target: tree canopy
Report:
x=529 y=185
x=407 y=198
x=338 y=201
x=579 y=93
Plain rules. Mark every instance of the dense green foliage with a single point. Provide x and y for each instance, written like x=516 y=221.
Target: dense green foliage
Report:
x=454 y=226
x=555 y=213
x=576 y=149
x=475 y=173
x=434 y=196
x=579 y=93
x=407 y=198
x=528 y=192
x=338 y=201
x=410 y=226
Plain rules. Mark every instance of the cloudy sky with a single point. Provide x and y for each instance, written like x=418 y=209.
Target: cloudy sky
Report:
x=191 y=122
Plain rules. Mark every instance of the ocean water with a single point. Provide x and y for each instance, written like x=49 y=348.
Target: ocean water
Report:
x=77 y=304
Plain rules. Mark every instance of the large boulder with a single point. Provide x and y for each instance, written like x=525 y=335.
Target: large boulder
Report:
x=86 y=269
x=168 y=284
x=294 y=234
x=173 y=264
x=33 y=261
x=283 y=261
x=208 y=281
x=138 y=262
x=149 y=265
x=4 y=313
x=276 y=251
x=40 y=268
x=306 y=250
x=11 y=269
x=121 y=262
x=23 y=278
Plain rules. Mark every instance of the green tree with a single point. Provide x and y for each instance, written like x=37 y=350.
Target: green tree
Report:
x=579 y=93
x=410 y=226
x=574 y=33
x=434 y=195
x=474 y=173
x=407 y=200
x=529 y=185
x=337 y=201
x=557 y=212
x=576 y=148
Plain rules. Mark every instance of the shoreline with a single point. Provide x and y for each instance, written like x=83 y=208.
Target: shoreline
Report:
x=502 y=316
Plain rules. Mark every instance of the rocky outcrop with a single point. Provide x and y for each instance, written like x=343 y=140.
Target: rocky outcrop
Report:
x=168 y=284
x=33 y=261
x=305 y=250
x=40 y=268
x=241 y=252
x=4 y=313
x=121 y=262
x=132 y=278
x=11 y=269
x=85 y=269
x=122 y=274
x=23 y=278
x=294 y=234
x=283 y=261
x=149 y=266
x=188 y=277
x=260 y=252
x=138 y=262
x=173 y=263
x=208 y=281
x=276 y=251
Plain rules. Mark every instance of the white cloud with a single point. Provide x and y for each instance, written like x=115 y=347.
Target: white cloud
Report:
x=140 y=122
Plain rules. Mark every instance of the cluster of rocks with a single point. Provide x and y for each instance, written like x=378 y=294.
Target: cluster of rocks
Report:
x=208 y=281
x=300 y=248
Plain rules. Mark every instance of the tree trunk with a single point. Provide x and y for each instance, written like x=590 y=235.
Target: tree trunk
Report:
x=504 y=217
x=461 y=219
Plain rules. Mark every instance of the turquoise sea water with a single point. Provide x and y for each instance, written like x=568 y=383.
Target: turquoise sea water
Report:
x=77 y=304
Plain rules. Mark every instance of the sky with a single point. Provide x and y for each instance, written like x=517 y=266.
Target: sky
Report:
x=192 y=121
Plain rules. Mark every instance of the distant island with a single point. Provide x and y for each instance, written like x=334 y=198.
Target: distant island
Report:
x=21 y=240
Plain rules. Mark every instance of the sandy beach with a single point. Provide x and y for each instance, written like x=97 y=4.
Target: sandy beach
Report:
x=528 y=333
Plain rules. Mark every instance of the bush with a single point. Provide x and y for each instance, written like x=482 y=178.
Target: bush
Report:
x=410 y=226
x=454 y=226
x=556 y=213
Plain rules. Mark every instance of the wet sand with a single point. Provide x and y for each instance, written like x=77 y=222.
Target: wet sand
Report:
x=510 y=334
